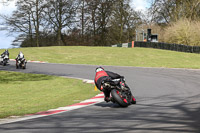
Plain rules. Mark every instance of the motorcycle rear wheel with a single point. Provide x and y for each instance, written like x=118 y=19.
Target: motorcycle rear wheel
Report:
x=121 y=101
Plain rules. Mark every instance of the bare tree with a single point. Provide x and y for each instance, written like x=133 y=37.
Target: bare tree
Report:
x=103 y=18
x=91 y=22
x=123 y=22
x=92 y=26
x=26 y=20
x=61 y=15
x=165 y=11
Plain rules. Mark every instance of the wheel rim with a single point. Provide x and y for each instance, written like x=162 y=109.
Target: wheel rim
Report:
x=123 y=96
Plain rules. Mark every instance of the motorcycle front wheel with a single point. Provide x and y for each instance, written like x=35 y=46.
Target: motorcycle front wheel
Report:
x=24 y=66
x=4 y=63
x=123 y=102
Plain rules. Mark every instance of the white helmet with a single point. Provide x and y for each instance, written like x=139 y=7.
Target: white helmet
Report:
x=98 y=69
x=21 y=55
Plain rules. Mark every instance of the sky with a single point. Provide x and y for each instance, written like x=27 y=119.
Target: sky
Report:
x=140 y=5
x=6 y=41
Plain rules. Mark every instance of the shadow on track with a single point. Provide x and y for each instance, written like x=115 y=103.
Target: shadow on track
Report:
x=167 y=114
x=110 y=104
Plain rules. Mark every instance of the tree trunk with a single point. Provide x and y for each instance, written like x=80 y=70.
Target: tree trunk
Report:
x=82 y=21
x=37 y=24
x=121 y=22
x=59 y=39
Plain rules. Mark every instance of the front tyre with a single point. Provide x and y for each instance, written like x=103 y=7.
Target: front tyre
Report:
x=123 y=102
x=24 y=66
x=4 y=63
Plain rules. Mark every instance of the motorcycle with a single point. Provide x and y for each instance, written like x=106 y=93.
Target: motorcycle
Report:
x=120 y=92
x=4 y=59
x=21 y=63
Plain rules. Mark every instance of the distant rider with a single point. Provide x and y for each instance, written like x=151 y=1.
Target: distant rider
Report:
x=5 y=53
x=20 y=56
x=101 y=77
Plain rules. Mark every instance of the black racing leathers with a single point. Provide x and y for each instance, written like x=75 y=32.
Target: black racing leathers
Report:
x=105 y=76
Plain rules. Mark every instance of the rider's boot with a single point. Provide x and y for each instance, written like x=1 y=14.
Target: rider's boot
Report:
x=106 y=95
x=107 y=99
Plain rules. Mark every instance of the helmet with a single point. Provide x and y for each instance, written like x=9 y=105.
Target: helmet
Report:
x=6 y=52
x=21 y=55
x=99 y=69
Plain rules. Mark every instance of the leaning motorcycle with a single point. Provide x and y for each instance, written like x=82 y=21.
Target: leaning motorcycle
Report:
x=4 y=60
x=21 y=63
x=120 y=92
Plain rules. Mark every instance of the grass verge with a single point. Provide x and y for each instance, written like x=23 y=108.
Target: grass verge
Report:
x=138 y=57
x=22 y=93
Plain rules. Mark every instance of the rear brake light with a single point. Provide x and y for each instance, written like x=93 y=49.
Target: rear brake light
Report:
x=125 y=100
x=117 y=92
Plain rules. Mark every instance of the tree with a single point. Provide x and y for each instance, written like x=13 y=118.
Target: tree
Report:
x=77 y=22
x=95 y=17
x=165 y=11
x=61 y=15
x=37 y=14
x=123 y=22
x=26 y=20
x=92 y=10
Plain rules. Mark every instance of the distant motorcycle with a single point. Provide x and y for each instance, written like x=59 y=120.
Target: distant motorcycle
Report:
x=4 y=59
x=21 y=63
x=120 y=92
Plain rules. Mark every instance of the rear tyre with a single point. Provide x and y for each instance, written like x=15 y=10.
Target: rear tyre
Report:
x=117 y=97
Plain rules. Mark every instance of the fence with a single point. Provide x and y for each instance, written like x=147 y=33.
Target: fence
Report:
x=158 y=45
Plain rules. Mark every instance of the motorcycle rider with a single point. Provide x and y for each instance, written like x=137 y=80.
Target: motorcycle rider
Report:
x=20 y=56
x=102 y=76
x=5 y=53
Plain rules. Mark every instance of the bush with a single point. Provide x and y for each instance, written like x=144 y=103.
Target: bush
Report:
x=183 y=32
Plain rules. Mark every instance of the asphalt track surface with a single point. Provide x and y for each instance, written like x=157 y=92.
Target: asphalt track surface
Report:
x=168 y=100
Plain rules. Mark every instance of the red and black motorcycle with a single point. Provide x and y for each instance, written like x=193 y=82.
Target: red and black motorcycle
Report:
x=120 y=92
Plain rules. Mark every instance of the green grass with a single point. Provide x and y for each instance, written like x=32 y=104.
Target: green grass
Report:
x=30 y=93
x=139 y=57
x=22 y=93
